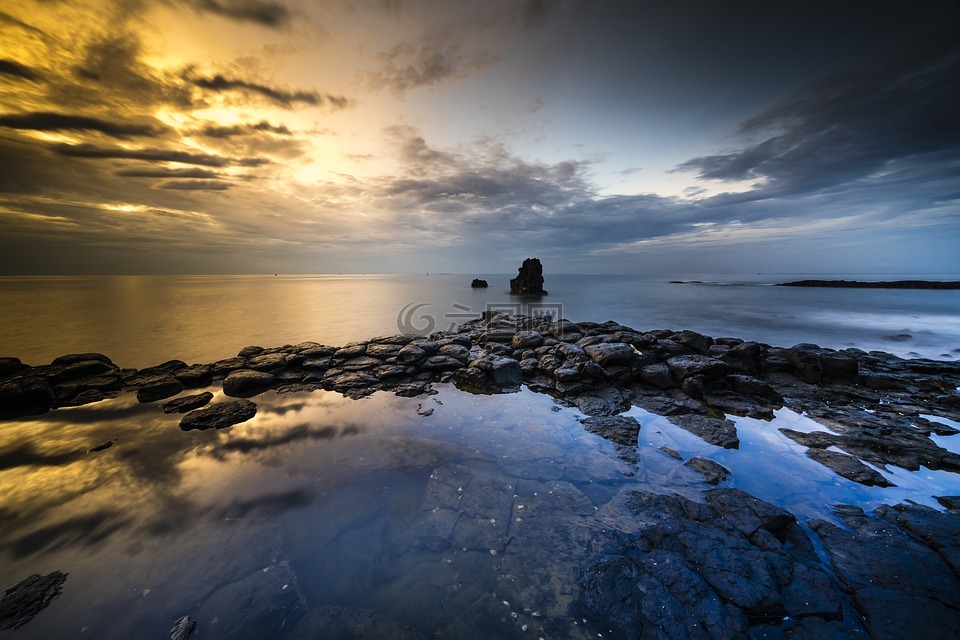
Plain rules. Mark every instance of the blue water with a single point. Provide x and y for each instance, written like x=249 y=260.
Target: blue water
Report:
x=143 y=320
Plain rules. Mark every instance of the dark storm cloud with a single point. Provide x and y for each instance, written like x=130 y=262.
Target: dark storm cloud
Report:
x=267 y=14
x=152 y=155
x=849 y=126
x=196 y=185
x=407 y=66
x=14 y=68
x=278 y=96
x=215 y=131
x=167 y=173
x=111 y=72
x=50 y=121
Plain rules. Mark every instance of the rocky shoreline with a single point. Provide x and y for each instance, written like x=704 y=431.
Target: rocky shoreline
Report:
x=714 y=569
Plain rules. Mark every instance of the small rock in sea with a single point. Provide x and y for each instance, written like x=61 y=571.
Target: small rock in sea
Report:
x=529 y=280
x=187 y=403
x=219 y=415
x=21 y=602
x=182 y=628
x=478 y=283
x=245 y=383
x=101 y=446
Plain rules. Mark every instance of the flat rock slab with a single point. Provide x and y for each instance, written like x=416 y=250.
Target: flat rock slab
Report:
x=713 y=472
x=28 y=597
x=849 y=467
x=187 y=403
x=899 y=583
x=245 y=383
x=623 y=430
x=219 y=415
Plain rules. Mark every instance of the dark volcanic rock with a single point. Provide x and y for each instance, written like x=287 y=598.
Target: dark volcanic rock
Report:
x=187 y=403
x=21 y=602
x=623 y=430
x=10 y=366
x=158 y=388
x=219 y=415
x=849 y=467
x=529 y=280
x=703 y=570
x=182 y=628
x=73 y=358
x=896 y=580
x=28 y=396
x=245 y=383
x=194 y=376
x=713 y=472
x=478 y=283
x=705 y=367
x=722 y=433
x=609 y=354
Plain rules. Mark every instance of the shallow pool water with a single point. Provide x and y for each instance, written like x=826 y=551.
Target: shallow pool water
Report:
x=425 y=511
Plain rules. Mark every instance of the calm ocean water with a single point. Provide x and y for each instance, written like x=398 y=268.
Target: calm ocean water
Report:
x=143 y=320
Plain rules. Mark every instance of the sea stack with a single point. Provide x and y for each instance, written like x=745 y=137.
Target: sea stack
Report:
x=479 y=284
x=529 y=280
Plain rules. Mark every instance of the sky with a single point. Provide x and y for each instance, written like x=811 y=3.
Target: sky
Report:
x=411 y=136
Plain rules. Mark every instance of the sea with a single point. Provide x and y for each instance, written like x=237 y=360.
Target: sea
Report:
x=140 y=321
x=439 y=516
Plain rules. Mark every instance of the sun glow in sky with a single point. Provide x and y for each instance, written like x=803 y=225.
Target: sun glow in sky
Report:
x=237 y=136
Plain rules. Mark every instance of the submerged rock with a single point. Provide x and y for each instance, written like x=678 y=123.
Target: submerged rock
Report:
x=21 y=602
x=713 y=472
x=623 y=430
x=348 y=623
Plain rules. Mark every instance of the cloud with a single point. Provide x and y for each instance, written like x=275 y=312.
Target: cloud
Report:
x=153 y=155
x=279 y=96
x=50 y=121
x=849 y=127
x=216 y=131
x=14 y=68
x=265 y=13
x=162 y=172
x=535 y=13
x=407 y=66
x=196 y=185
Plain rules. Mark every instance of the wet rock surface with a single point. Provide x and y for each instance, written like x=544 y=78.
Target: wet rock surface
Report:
x=542 y=550
x=899 y=565
x=21 y=602
x=872 y=405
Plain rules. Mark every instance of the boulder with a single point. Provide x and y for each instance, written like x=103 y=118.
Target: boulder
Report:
x=709 y=369
x=608 y=354
x=25 y=397
x=158 y=388
x=478 y=283
x=245 y=383
x=529 y=280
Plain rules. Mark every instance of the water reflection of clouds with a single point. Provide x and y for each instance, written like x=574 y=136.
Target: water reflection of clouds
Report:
x=56 y=495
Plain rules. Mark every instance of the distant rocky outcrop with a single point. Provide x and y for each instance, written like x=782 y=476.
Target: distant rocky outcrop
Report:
x=529 y=280
x=479 y=284
x=856 y=284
